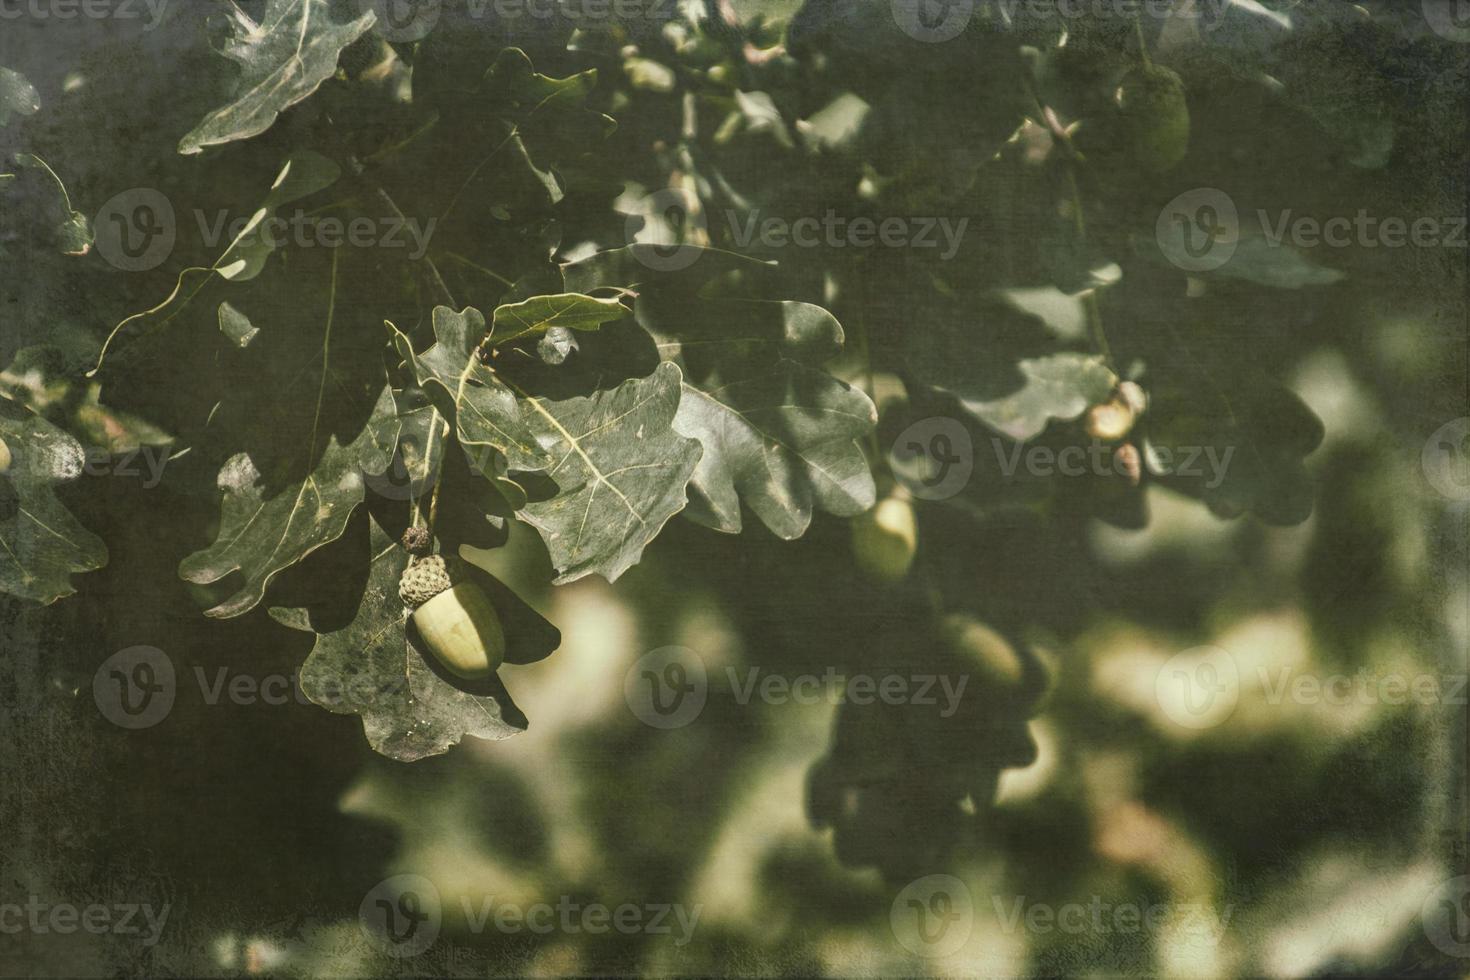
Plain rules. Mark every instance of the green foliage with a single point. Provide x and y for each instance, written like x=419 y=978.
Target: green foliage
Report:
x=560 y=353
x=43 y=543
x=283 y=58
x=17 y=96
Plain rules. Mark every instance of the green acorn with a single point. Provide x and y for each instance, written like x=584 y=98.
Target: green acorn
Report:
x=987 y=652
x=885 y=538
x=454 y=617
x=1155 y=117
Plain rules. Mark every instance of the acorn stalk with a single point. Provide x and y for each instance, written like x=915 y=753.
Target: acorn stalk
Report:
x=454 y=617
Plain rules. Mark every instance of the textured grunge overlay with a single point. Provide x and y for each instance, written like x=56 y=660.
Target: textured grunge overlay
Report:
x=761 y=488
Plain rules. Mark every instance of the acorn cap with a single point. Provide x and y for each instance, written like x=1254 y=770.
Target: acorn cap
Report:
x=423 y=579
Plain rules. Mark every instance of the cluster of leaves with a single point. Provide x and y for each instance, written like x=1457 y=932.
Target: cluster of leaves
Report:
x=595 y=398
x=534 y=365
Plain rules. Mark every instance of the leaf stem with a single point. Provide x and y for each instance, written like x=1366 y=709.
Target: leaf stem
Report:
x=434 y=494
x=439 y=426
x=65 y=197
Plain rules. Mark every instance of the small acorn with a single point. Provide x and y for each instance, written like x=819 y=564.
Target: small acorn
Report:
x=417 y=541
x=1155 y=111
x=885 y=538
x=1110 y=421
x=454 y=618
x=992 y=657
x=1114 y=419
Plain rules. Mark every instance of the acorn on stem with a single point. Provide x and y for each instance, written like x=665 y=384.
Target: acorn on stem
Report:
x=454 y=617
x=1114 y=419
x=1155 y=110
x=417 y=541
x=885 y=538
